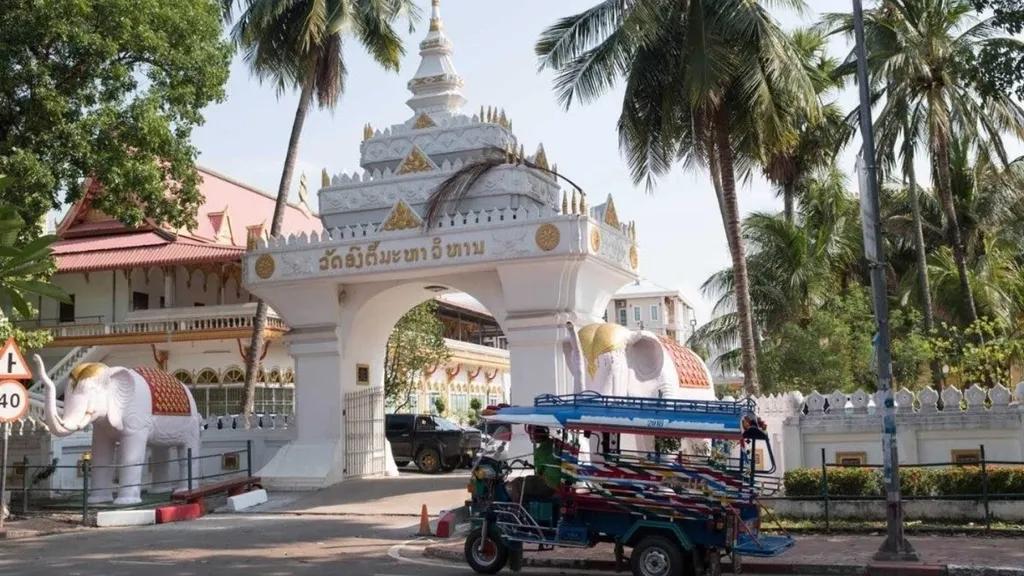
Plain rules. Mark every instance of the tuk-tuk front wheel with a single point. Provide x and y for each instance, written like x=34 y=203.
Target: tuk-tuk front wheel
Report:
x=656 y=556
x=485 y=554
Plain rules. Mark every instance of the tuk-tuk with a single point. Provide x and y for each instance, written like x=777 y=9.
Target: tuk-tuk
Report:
x=680 y=513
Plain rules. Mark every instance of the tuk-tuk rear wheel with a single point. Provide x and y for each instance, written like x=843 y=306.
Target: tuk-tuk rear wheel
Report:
x=488 y=558
x=656 y=556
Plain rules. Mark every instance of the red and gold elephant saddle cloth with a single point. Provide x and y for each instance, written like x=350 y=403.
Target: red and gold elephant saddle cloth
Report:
x=689 y=366
x=169 y=396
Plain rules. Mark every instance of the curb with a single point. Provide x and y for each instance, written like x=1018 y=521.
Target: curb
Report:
x=754 y=567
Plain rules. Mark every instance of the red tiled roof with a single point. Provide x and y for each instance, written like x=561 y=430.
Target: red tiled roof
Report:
x=178 y=251
x=99 y=243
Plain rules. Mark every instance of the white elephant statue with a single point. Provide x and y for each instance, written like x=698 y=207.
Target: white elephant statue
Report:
x=615 y=361
x=129 y=409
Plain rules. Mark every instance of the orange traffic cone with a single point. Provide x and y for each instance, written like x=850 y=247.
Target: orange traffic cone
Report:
x=424 y=522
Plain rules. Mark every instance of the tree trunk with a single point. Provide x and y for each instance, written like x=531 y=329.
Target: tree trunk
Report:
x=788 y=200
x=260 y=320
x=941 y=151
x=923 y=284
x=733 y=233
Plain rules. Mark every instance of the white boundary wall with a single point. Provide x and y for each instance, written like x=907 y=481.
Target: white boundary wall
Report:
x=800 y=427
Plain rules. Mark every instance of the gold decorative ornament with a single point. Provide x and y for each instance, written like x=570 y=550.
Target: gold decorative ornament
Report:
x=416 y=161
x=634 y=257
x=541 y=159
x=402 y=217
x=600 y=338
x=595 y=240
x=548 y=237
x=367 y=132
x=325 y=180
x=424 y=121
x=265 y=266
x=611 y=216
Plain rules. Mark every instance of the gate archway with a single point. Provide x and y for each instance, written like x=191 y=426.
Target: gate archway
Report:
x=532 y=254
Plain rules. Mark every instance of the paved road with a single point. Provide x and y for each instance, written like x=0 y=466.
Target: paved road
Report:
x=237 y=545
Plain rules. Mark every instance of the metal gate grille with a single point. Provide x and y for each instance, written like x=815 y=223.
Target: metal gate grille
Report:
x=364 y=433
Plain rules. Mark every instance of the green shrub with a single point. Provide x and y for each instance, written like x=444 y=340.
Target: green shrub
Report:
x=1005 y=480
x=854 y=482
x=802 y=482
x=959 y=481
x=917 y=482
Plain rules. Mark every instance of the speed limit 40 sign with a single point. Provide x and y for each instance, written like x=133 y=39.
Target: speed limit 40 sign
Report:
x=13 y=401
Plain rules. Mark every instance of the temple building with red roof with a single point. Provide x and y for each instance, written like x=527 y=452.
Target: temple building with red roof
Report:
x=151 y=295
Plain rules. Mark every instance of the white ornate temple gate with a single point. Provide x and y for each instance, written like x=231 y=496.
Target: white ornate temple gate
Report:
x=534 y=259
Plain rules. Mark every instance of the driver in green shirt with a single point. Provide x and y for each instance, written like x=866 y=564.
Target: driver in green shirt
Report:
x=547 y=469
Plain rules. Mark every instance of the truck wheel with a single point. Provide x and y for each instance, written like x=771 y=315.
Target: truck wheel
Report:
x=656 y=556
x=428 y=461
x=487 y=559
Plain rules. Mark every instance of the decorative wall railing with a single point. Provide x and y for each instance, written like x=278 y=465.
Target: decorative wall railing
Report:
x=927 y=400
x=184 y=320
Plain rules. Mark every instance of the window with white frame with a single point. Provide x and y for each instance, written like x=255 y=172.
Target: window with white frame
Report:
x=655 y=311
x=622 y=316
x=636 y=313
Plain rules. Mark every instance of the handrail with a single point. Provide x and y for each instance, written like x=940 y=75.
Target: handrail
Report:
x=594 y=399
x=200 y=321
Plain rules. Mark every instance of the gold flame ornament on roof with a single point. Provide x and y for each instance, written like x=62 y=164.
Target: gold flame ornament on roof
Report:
x=416 y=161
x=611 y=217
x=424 y=121
x=402 y=217
x=367 y=132
x=325 y=180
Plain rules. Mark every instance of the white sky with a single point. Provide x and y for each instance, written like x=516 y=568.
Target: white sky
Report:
x=679 y=227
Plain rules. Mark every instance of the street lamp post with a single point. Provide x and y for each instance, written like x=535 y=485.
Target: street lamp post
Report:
x=895 y=546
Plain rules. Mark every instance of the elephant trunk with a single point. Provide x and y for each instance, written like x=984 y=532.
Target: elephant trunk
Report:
x=580 y=368
x=53 y=420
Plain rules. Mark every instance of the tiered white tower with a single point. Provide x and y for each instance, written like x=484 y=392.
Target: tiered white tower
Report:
x=531 y=253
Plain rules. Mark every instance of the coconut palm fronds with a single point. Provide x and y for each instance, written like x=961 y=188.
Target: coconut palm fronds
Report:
x=459 y=185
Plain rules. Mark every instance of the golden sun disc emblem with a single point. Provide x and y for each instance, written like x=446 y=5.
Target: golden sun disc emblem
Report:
x=265 y=266
x=548 y=237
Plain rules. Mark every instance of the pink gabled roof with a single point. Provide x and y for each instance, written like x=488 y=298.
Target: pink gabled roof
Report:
x=178 y=251
x=228 y=200
x=90 y=240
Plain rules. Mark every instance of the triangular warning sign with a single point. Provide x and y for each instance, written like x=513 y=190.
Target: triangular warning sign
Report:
x=12 y=363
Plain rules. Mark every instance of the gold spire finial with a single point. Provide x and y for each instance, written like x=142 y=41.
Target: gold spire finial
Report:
x=565 y=203
x=503 y=119
x=367 y=131
x=583 y=203
x=435 y=16
x=574 y=205
x=325 y=180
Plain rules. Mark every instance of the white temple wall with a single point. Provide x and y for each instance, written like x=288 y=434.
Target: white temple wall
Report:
x=801 y=427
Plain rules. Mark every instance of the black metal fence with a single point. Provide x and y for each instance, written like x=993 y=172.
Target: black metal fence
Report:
x=985 y=496
x=24 y=502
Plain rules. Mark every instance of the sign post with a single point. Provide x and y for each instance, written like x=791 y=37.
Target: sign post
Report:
x=13 y=406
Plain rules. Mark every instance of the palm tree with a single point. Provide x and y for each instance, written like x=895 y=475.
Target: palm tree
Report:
x=813 y=141
x=919 y=51
x=795 y=265
x=297 y=44
x=706 y=82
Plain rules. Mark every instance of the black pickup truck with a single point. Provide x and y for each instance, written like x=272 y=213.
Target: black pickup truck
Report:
x=435 y=444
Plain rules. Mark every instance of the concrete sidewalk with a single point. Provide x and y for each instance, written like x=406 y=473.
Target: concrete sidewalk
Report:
x=820 y=554
x=401 y=496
